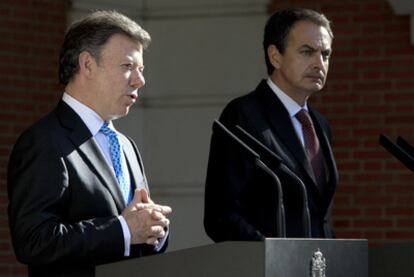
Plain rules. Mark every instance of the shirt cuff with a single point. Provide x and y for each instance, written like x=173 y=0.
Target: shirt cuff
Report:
x=162 y=241
x=127 y=236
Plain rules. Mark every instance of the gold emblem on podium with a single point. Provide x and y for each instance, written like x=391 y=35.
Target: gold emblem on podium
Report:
x=318 y=264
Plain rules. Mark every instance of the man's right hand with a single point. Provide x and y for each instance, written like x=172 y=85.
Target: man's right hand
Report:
x=146 y=220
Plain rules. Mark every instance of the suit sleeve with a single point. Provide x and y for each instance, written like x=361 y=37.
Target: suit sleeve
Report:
x=226 y=196
x=38 y=186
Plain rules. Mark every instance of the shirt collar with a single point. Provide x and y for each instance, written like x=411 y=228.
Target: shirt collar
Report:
x=91 y=119
x=291 y=106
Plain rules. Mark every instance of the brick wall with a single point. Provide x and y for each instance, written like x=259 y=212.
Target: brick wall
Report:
x=31 y=32
x=370 y=90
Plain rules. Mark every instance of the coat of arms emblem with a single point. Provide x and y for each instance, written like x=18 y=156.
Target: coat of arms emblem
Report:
x=318 y=264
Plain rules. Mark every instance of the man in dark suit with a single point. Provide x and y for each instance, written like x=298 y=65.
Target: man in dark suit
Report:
x=78 y=196
x=240 y=199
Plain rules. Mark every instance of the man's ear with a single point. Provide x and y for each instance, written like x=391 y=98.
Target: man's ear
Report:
x=274 y=56
x=87 y=64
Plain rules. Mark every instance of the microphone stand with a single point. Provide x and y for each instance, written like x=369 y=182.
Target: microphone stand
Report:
x=406 y=146
x=260 y=147
x=305 y=209
x=280 y=210
x=281 y=225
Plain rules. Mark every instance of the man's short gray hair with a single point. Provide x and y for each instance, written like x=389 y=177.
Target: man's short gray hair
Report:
x=91 y=34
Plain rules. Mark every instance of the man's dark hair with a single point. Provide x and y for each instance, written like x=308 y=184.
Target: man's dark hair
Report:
x=281 y=22
x=91 y=34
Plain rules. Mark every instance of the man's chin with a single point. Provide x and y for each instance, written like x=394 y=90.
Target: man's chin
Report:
x=316 y=87
x=119 y=115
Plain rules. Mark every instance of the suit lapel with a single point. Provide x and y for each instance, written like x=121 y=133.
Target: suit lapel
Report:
x=89 y=149
x=282 y=127
x=326 y=148
x=135 y=166
x=91 y=152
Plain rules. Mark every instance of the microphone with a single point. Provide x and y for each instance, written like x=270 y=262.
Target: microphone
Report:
x=280 y=223
x=406 y=146
x=271 y=156
x=397 y=151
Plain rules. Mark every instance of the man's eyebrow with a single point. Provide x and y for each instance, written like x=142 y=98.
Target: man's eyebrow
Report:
x=308 y=47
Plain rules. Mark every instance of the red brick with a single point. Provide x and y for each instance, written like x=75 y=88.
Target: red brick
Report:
x=405 y=223
x=4 y=268
x=342 y=155
x=404 y=108
x=399 y=51
x=19 y=270
x=342 y=200
x=399 y=74
x=372 y=200
x=369 y=155
x=341 y=132
x=341 y=7
x=352 y=212
x=384 y=223
x=399 y=211
x=374 y=212
x=407 y=63
x=347 y=143
x=393 y=163
x=348 y=234
x=400 y=188
x=369 y=86
x=359 y=132
x=341 y=224
x=402 y=235
x=377 y=235
x=399 y=119
x=370 y=64
x=376 y=166
x=347 y=189
x=391 y=97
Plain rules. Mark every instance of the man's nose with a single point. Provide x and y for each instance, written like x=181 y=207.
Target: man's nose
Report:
x=137 y=79
x=319 y=62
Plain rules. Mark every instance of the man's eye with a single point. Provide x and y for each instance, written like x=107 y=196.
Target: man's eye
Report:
x=326 y=56
x=129 y=66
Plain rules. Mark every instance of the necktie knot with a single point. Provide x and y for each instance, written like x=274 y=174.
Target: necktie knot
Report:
x=107 y=131
x=304 y=118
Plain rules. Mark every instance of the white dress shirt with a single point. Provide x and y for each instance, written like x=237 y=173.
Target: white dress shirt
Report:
x=291 y=106
x=94 y=123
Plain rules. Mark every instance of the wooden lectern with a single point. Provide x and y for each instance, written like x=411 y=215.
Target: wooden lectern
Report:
x=270 y=258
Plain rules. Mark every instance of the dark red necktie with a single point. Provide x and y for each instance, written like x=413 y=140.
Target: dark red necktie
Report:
x=312 y=146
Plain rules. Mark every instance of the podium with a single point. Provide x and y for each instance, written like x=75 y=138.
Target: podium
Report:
x=274 y=257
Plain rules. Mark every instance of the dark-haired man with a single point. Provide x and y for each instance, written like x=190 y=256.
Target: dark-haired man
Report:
x=78 y=196
x=240 y=199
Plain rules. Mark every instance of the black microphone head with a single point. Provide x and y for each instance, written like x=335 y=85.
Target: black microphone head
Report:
x=397 y=151
x=405 y=145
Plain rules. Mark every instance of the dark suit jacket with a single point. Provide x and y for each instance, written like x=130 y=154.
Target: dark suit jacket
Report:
x=64 y=199
x=240 y=199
